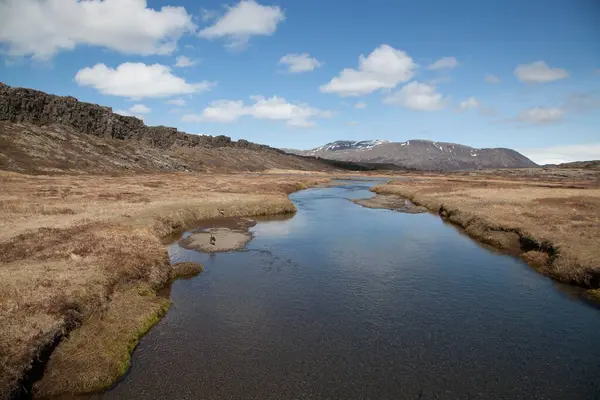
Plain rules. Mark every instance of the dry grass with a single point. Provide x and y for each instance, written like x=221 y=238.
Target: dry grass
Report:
x=186 y=269
x=94 y=356
x=553 y=224
x=75 y=250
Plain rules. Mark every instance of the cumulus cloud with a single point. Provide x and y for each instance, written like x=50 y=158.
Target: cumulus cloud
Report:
x=562 y=154
x=184 y=62
x=246 y=19
x=384 y=68
x=137 y=110
x=179 y=102
x=300 y=62
x=271 y=108
x=41 y=29
x=137 y=80
x=444 y=63
x=490 y=78
x=417 y=96
x=541 y=115
x=539 y=72
x=471 y=102
x=360 y=105
x=140 y=109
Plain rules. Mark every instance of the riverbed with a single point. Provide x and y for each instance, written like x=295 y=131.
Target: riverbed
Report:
x=343 y=301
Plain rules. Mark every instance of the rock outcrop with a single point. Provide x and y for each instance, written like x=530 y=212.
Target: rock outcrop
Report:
x=32 y=106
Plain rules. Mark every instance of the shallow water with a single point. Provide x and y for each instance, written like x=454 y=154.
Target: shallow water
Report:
x=342 y=302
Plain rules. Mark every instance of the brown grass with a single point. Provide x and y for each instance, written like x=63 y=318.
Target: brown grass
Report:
x=86 y=251
x=552 y=224
x=186 y=269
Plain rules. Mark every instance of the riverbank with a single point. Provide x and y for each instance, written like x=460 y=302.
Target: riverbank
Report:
x=551 y=224
x=390 y=202
x=83 y=256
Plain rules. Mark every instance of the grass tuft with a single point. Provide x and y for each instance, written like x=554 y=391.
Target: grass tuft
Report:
x=186 y=269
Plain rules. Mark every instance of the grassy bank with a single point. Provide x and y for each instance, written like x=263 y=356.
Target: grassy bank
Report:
x=83 y=256
x=552 y=225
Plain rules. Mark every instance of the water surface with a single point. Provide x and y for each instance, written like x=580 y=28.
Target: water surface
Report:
x=345 y=302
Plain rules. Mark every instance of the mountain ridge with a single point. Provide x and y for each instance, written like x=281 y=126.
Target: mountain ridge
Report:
x=419 y=154
x=42 y=133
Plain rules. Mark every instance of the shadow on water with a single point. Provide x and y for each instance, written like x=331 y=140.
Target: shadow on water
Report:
x=341 y=301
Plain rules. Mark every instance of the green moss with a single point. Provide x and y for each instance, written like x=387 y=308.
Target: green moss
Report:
x=186 y=270
x=152 y=319
x=593 y=294
x=96 y=355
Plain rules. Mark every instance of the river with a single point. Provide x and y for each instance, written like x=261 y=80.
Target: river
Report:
x=345 y=302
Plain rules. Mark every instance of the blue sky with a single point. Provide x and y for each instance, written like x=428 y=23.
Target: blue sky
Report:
x=518 y=74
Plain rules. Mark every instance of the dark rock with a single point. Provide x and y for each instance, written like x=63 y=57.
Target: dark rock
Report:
x=39 y=108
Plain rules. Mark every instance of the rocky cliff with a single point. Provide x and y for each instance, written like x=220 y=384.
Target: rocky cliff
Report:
x=46 y=134
x=32 y=106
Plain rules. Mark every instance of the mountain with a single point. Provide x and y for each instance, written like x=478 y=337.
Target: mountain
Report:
x=42 y=133
x=419 y=154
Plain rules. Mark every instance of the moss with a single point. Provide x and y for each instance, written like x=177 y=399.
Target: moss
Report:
x=140 y=331
x=97 y=354
x=186 y=270
x=593 y=294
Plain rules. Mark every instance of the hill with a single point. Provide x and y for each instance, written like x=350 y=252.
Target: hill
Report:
x=419 y=154
x=44 y=134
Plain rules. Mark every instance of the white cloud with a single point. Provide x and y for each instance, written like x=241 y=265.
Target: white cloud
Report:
x=352 y=123
x=444 y=63
x=136 y=110
x=208 y=15
x=140 y=109
x=41 y=29
x=539 y=72
x=417 y=96
x=541 y=115
x=272 y=108
x=184 y=62
x=490 y=78
x=246 y=19
x=179 y=102
x=384 y=68
x=224 y=111
x=137 y=80
x=300 y=62
x=471 y=102
x=127 y=113
x=562 y=154
x=360 y=105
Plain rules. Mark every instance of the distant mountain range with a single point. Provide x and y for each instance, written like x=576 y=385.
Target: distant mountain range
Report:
x=419 y=154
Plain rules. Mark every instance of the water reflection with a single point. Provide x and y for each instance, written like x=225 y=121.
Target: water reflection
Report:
x=342 y=301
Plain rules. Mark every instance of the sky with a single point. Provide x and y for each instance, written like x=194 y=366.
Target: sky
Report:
x=299 y=74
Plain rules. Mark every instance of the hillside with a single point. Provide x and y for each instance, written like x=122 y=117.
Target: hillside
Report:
x=419 y=154
x=592 y=164
x=43 y=133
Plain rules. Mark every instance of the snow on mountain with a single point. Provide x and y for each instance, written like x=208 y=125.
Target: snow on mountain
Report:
x=419 y=154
